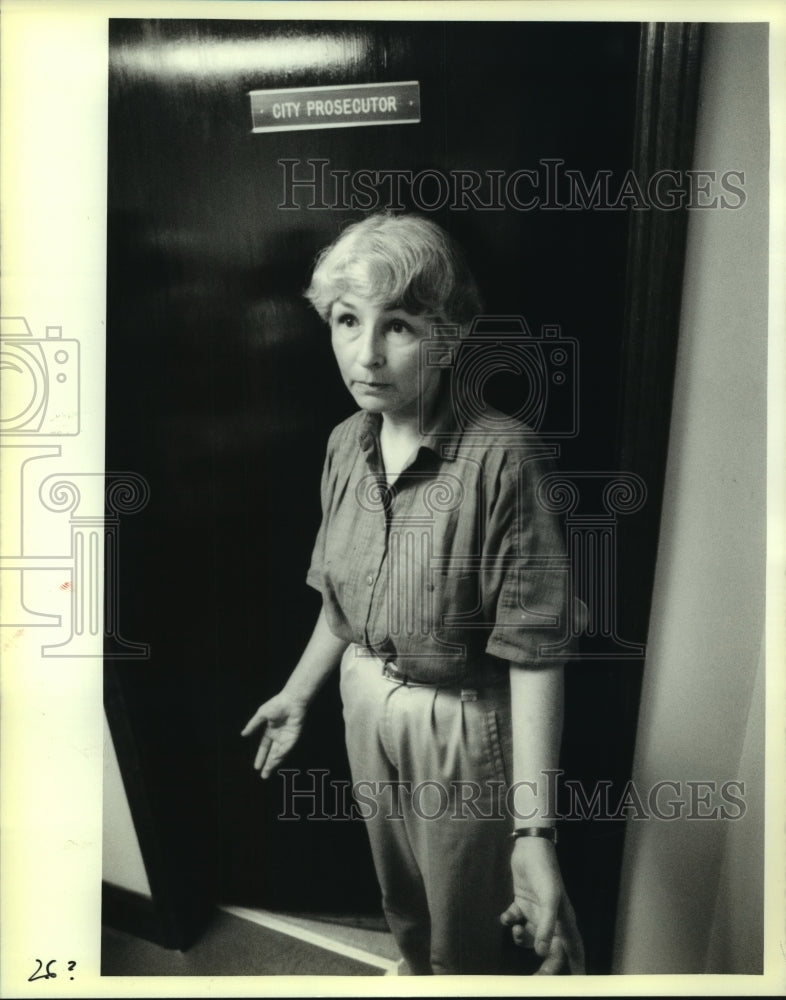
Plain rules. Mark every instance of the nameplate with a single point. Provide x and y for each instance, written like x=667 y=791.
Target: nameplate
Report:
x=335 y=107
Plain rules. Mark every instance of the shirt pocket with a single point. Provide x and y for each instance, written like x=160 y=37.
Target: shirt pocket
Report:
x=455 y=609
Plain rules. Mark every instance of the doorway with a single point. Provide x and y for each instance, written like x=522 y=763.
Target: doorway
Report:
x=221 y=393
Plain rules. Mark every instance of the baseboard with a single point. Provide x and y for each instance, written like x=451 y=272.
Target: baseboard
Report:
x=131 y=912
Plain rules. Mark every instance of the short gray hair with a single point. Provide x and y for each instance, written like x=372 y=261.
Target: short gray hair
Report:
x=402 y=261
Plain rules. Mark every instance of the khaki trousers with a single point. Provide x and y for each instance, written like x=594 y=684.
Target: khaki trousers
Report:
x=430 y=766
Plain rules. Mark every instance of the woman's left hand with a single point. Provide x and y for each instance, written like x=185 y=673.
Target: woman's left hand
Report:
x=541 y=915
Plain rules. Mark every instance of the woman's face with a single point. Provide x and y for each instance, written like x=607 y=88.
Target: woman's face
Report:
x=379 y=356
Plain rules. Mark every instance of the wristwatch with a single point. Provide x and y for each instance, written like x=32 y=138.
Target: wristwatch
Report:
x=547 y=832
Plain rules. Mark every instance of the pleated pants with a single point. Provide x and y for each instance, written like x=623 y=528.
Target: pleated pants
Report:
x=430 y=766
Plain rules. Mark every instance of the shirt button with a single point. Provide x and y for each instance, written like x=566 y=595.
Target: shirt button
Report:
x=429 y=587
x=370 y=579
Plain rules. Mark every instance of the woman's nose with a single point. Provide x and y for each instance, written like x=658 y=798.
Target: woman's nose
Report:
x=371 y=349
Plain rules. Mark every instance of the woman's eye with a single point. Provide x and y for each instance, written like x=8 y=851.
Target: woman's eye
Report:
x=347 y=319
x=399 y=326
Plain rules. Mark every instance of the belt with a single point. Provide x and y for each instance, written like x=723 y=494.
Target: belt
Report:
x=468 y=688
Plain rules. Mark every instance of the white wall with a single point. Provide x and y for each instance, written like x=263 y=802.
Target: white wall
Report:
x=122 y=863
x=692 y=890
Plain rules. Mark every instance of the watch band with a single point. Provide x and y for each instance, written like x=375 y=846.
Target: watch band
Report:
x=547 y=832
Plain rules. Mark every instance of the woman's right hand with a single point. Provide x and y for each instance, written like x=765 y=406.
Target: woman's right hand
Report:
x=280 y=720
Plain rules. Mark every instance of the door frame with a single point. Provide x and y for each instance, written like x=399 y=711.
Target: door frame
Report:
x=665 y=122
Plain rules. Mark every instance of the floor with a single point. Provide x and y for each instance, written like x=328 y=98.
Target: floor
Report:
x=251 y=942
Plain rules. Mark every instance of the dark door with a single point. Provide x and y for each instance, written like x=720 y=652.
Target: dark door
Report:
x=222 y=391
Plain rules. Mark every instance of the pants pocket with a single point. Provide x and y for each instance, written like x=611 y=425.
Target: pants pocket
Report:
x=485 y=734
x=496 y=749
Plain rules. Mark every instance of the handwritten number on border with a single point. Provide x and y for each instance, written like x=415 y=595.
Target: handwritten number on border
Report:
x=47 y=972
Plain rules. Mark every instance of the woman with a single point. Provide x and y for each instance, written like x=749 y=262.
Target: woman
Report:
x=436 y=567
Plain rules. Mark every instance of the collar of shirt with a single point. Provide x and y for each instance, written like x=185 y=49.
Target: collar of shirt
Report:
x=443 y=438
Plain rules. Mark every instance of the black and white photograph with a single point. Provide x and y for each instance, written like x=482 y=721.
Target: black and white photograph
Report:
x=413 y=606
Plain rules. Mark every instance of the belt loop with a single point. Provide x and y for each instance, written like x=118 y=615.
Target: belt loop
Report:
x=469 y=694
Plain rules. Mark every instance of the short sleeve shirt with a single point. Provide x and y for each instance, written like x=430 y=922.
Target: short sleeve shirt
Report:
x=456 y=567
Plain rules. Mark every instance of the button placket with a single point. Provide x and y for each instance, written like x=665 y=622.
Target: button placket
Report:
x=378 y=622
x=372 y=578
